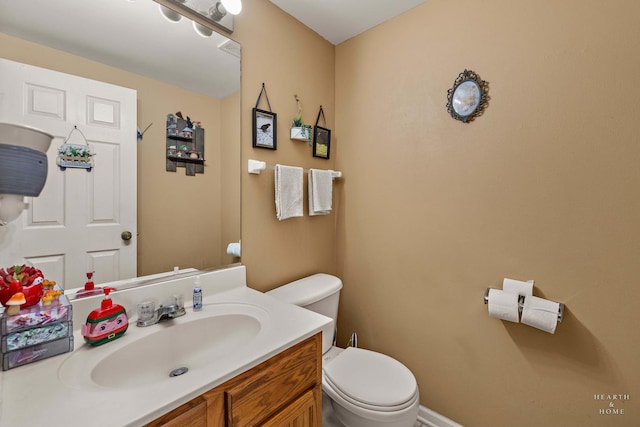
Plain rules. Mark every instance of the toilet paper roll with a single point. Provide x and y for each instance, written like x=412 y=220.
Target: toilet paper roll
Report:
x=517 y=287
x=503 y=305
x=234 y=249
x=540 y=313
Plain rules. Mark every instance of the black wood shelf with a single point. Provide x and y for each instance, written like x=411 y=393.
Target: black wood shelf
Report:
x=187 y=145
x=185 y=159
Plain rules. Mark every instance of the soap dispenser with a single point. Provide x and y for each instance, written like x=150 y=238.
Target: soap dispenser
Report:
x=106 y=323
x=90 y=288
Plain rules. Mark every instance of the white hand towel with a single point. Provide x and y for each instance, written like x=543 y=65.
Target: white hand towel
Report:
x=288 y=181
x=320 y=192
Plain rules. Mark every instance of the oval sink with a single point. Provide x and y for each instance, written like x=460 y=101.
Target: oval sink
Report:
x=192 y=341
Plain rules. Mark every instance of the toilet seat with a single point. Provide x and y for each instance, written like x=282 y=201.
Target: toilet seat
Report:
x=371 y=380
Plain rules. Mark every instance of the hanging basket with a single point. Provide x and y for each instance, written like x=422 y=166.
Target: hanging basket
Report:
x=75 y=155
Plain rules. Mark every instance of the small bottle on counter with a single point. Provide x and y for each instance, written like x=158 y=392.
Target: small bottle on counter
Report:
x=197 y=295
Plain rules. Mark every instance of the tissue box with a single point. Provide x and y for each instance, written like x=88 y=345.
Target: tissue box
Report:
x=26 y=355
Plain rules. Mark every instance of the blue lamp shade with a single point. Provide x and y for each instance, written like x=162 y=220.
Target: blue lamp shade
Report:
x=23 y=170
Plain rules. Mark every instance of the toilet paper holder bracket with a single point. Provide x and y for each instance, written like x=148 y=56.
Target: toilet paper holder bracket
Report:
x=521 y=304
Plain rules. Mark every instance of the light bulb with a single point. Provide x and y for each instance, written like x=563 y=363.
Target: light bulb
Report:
x=217 y=12
x=11 y=206
x=201 y=29
x=169 y=14
x=232 y=6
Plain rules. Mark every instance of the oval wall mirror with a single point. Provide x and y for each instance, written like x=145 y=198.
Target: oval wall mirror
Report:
x=468 y=97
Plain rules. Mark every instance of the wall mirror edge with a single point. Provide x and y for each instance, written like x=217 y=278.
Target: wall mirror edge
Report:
x=200 y=261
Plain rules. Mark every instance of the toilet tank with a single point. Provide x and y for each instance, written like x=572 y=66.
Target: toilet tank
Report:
x=319 y=293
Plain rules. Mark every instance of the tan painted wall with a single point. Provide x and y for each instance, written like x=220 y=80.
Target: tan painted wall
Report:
x=290 y=59
x=165 y=200
x=432 y=211
x=545 y=186
x=230 y=167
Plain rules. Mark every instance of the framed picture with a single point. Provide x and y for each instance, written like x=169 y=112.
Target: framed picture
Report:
x=264 y=129
x=321 y=142
x=468 y=97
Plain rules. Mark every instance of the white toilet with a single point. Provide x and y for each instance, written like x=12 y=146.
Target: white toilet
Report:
x=366 y=389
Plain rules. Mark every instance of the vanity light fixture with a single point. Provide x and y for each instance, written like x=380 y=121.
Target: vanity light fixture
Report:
x=169 y=14
x=219 y=13
x=201 y=29
x=234 y=7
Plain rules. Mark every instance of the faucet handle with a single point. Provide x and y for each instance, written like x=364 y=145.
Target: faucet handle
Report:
x=179 y=303
x=146 y=310
x=178 y=300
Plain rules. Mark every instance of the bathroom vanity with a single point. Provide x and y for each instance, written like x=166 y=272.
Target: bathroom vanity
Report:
x=282 y=391
x=251 y=359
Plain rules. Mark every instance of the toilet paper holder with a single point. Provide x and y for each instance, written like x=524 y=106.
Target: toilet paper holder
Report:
x=521 y=304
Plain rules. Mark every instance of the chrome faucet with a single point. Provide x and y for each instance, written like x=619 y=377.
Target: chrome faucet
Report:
x=148 y=315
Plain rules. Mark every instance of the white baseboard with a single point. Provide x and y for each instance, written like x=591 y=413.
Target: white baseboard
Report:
x=431 y=418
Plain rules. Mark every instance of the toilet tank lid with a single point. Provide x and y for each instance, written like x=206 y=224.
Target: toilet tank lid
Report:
x=307 y=290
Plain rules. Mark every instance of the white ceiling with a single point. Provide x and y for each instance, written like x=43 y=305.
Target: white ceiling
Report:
x=131 y=35
x=339 y=20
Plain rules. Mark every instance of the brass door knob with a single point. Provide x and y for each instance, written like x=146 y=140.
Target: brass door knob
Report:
x=126 y=235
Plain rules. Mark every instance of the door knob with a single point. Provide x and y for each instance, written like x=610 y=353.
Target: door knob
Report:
x=126 y=235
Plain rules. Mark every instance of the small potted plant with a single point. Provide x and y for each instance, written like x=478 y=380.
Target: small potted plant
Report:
x=75 y=153
x=74 y=156
x=300 y=131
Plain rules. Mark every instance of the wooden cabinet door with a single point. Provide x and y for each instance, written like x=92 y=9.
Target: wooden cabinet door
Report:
x=261 y=392
x=191 y=414
x=303 y=412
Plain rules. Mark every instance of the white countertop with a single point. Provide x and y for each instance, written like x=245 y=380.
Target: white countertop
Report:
x=35 y=395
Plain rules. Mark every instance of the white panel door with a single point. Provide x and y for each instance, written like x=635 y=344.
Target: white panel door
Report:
x=75 y=225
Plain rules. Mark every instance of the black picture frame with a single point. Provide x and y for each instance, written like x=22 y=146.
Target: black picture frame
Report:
x=321 y=142
x=265 y=129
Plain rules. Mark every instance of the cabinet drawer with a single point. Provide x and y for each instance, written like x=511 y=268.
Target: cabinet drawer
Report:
x=274 y=384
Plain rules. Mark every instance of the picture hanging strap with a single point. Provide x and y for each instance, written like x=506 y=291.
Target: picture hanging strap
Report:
x=264 y=90
x=321 y=113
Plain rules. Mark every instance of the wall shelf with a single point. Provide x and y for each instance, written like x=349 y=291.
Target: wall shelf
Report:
x=186 y=145
x=179 y=138
x=185 y=159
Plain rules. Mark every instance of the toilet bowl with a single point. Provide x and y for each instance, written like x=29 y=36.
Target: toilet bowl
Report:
x=370 y=389
x=366 y=388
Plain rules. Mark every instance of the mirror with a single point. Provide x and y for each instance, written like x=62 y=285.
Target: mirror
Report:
x=185 y=221
x=468 y=97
